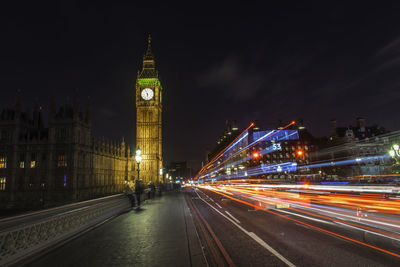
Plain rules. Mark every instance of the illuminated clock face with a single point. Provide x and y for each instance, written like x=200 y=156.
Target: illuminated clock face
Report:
x=147 y=94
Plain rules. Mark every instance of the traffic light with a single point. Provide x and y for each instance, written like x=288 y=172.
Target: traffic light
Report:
x=256 y=155
x=300 y=153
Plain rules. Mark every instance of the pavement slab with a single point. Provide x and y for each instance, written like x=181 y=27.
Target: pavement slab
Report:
x=161 y=233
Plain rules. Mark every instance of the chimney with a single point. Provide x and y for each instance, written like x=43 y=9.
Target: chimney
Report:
x=361 y=124
x=333 y=128
x=234 y=125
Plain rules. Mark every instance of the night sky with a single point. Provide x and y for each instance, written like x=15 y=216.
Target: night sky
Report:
x=245 y=62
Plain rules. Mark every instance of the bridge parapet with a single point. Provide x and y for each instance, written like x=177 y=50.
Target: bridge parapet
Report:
x=26 y=235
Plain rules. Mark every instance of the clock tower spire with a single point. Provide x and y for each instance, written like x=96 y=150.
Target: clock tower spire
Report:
x=149 y=65
x=149 y=118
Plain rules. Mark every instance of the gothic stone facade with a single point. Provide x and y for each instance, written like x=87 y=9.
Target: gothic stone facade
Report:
x=42 y=166
x=149 y=119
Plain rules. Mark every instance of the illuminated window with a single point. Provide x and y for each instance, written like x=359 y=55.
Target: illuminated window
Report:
x=22 y=161
x=33 y=160
x=3 y=181
x=3 y=162
x=62 y=161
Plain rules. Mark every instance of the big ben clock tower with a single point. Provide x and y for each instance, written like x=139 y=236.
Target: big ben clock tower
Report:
x=148 y=118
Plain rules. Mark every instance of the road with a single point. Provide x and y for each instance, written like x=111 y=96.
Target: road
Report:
x=255 y=234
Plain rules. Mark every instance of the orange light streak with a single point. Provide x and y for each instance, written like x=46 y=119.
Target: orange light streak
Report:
x=307 y=224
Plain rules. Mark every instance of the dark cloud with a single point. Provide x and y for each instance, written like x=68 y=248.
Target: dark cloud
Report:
x=234 y=78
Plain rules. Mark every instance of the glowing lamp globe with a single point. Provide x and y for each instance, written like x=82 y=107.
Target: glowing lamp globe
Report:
x=138 y=158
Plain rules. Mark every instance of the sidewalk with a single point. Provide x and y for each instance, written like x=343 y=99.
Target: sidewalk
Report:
x=161 y=233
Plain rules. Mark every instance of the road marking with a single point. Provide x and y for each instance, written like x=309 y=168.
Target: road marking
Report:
x=252 y=235
x=364 y=230
x=363 y=220
x=302 y=216
x=218 y=205
x=230 y=215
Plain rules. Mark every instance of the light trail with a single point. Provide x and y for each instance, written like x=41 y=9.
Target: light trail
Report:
x=209 y=168
x=341 y=205
x=371 y=213
x=228 y=147
x=235 y=162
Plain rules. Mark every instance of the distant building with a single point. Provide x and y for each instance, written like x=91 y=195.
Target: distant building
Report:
x=277 y=155
x=356 y=142
x=43 y=165
x=354 y=133
x=179 y=170
x=297 y=149
x=229 y=134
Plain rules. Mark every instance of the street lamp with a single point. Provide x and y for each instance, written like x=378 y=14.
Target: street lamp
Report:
x=394 y=152
x=138 y=159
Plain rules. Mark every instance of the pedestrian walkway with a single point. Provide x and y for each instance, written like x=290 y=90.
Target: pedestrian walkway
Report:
x=161 y=233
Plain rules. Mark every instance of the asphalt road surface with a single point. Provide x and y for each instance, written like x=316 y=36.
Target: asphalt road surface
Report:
x=283 y=237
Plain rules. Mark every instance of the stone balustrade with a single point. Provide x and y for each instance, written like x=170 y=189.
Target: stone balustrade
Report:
x=26 y=235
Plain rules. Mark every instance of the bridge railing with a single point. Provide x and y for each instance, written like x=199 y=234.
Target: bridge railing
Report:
x=26 y=235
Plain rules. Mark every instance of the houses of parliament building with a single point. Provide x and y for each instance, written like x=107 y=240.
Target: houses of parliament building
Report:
x=45 y=165
x=62 y=162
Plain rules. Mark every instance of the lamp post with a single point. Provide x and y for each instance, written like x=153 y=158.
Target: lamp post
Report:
x=138 y=159
x=394 y=152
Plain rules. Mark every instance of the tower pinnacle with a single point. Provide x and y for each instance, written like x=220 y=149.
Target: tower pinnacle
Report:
x=149 y=54
x=148 y=68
